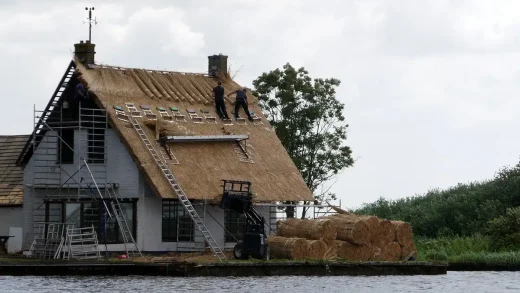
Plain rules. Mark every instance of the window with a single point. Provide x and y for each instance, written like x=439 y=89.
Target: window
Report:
x=66 y=153
x=235 y=225
x=177 y=225
x=53 y=212
x=88 y=214
x=96 y=146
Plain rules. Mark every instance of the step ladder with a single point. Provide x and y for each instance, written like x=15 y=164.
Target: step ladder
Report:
x=178 y=190
x=128 y=239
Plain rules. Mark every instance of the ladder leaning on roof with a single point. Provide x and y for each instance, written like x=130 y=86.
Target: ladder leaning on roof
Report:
x=178 y=190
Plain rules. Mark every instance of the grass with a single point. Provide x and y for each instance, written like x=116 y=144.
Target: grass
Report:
x=473 y=249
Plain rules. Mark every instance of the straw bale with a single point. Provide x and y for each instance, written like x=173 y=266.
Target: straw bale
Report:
x=319 y=229
x=386 y=231
x=317 y=249
x=353 y=252
x=403 y=232
x=408 y=250
x=288 y=248
x=391 y=251
x=351 y=229
x=332 y=252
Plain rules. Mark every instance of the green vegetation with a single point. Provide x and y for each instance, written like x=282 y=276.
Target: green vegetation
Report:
x=308 y=120
x=476 y=222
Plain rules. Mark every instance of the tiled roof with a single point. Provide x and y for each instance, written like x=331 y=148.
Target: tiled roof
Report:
x=11 y=175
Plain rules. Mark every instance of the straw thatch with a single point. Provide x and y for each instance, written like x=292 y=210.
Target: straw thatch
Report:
x=403 y=232
x=320 y=229
x=11 y=175
x=317 y=249
x=288 y=248
x=201 y=165
x=351 y=229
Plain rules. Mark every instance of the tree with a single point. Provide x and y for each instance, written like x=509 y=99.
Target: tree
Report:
x=309 y=122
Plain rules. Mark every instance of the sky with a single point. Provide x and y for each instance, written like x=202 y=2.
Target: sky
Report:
x=430 y=87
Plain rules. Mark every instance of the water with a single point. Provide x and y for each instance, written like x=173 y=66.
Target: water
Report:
x=472 y=282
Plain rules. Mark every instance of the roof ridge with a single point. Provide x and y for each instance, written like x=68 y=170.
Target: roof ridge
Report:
x=102 y=66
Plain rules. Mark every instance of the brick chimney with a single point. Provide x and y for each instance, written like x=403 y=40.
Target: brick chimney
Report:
x=217 y=64
x=85 y=52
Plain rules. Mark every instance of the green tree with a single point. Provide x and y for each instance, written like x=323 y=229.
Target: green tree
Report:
x=309 y=121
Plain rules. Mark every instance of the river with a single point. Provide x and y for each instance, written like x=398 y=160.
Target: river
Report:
x=472 y=282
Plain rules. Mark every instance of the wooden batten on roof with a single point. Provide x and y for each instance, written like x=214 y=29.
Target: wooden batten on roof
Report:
x=202 y=165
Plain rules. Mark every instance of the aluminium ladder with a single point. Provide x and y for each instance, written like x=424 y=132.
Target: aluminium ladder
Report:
x=178 y=190
x=128 y=239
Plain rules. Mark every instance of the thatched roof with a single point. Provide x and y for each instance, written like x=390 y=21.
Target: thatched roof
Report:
x=201 y=165
x=11 y=175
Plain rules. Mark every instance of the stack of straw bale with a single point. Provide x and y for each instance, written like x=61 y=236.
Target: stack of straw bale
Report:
x=344 y=236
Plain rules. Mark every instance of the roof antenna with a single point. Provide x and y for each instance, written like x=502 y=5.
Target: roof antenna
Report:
x=90 y=21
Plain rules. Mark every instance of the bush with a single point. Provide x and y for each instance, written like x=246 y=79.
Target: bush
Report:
x=504 y=231
x=463 y=210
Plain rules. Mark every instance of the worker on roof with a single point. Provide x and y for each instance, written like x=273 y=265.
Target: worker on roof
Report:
x=241 y=100
x=218 y=93
x=81 y=93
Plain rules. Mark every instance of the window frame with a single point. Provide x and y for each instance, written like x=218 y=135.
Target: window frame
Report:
x=178 y=220
x=235 y=226
x=99 y=220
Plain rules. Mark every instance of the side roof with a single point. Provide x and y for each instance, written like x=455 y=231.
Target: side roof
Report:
x=11 y=175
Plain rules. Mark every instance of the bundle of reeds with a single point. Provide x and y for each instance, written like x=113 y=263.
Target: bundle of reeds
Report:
x=288 y=248
x=319 y=229
x=403 y=232
x=317 y=249
x=166 y=128
x=350 y=237
x=351 y=229
x=353 y=252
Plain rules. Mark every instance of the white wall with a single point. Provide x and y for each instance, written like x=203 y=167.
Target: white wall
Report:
x=10 y=217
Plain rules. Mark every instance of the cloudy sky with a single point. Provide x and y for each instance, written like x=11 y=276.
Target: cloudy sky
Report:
x=430 y=87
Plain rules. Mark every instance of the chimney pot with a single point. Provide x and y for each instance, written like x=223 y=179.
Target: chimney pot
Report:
x=217 y=64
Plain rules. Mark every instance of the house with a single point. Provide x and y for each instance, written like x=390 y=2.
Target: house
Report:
x=83 y=149
x=11 y=189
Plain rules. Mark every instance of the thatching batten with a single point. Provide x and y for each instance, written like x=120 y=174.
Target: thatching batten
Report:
x=205 y=138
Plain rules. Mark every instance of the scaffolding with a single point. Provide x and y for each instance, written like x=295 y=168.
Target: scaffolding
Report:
x=64 y=168
x=69 y=160
x=277 y=211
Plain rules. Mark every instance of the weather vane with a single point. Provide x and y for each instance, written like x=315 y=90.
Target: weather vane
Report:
x=90 y=21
